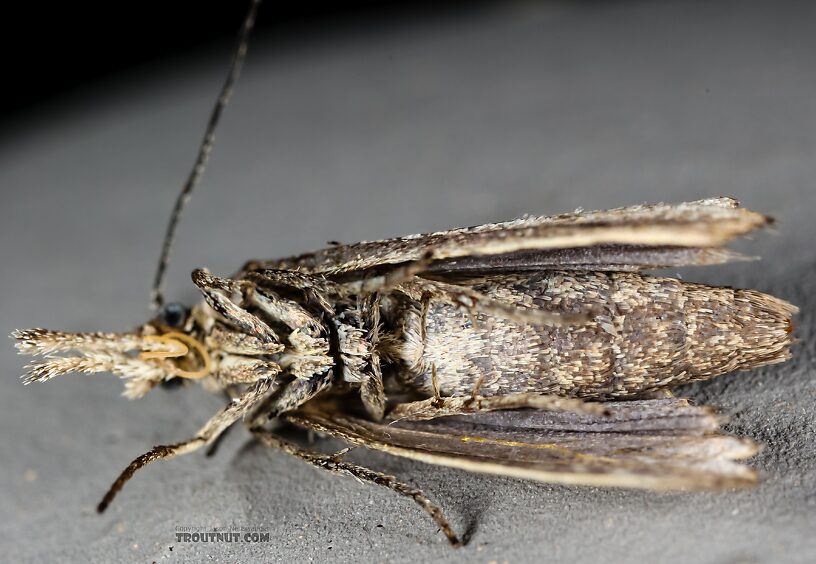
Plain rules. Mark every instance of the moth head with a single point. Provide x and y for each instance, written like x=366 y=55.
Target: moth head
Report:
x=165 y=350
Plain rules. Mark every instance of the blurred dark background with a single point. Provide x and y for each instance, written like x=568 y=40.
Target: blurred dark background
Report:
x=52 y=48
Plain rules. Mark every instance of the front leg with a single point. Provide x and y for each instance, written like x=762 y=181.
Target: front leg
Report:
x=206 y=435
x=315 y=288
x=219 y=294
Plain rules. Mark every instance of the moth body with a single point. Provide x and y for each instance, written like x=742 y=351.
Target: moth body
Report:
x=380 y=343
x=646 y=334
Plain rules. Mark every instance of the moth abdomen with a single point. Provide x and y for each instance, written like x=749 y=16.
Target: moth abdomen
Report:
x=737 y=329
x=646 y=334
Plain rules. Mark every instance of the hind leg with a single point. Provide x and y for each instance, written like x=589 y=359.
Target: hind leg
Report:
x=331 y=463
x=432 y=408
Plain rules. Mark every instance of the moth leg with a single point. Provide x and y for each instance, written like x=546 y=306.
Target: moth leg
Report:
x=235 y=342
x=372 y=391
x=233 y=369
x=664 y=393
x=331 y=463
x=475 y=302
x=434 y=407
x=293 y=395
x=285 y=311
x=216 y=443
x=467 y=298
x=315 y=288
x=358 y=333
x=394 y=277
x=206 y=435
x=219 y=294
x=366 y=372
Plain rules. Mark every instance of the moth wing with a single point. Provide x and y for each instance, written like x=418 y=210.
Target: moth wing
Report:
x=629 y=238
x=662 y=444
x=594 y=258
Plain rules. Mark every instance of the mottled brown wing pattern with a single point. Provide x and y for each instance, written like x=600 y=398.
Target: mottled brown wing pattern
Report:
x=627 y=238
x=661 y=444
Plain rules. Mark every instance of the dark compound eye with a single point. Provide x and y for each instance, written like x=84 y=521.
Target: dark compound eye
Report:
x=174 y=314
x=172 y=383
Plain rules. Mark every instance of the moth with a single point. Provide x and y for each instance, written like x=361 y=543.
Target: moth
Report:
x=536 y=348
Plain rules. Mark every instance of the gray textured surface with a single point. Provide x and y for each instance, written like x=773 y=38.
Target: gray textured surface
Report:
x=385 y=131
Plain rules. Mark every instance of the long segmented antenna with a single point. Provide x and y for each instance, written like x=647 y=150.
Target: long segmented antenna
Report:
x=157 y=299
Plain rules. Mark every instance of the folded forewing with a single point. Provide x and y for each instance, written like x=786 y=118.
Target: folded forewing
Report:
x=623 y=239
x=653 y=444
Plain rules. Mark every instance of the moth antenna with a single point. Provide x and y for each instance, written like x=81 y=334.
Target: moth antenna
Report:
x=239 y=55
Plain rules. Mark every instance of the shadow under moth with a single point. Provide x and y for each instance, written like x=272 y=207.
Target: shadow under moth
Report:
x=535 y=348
